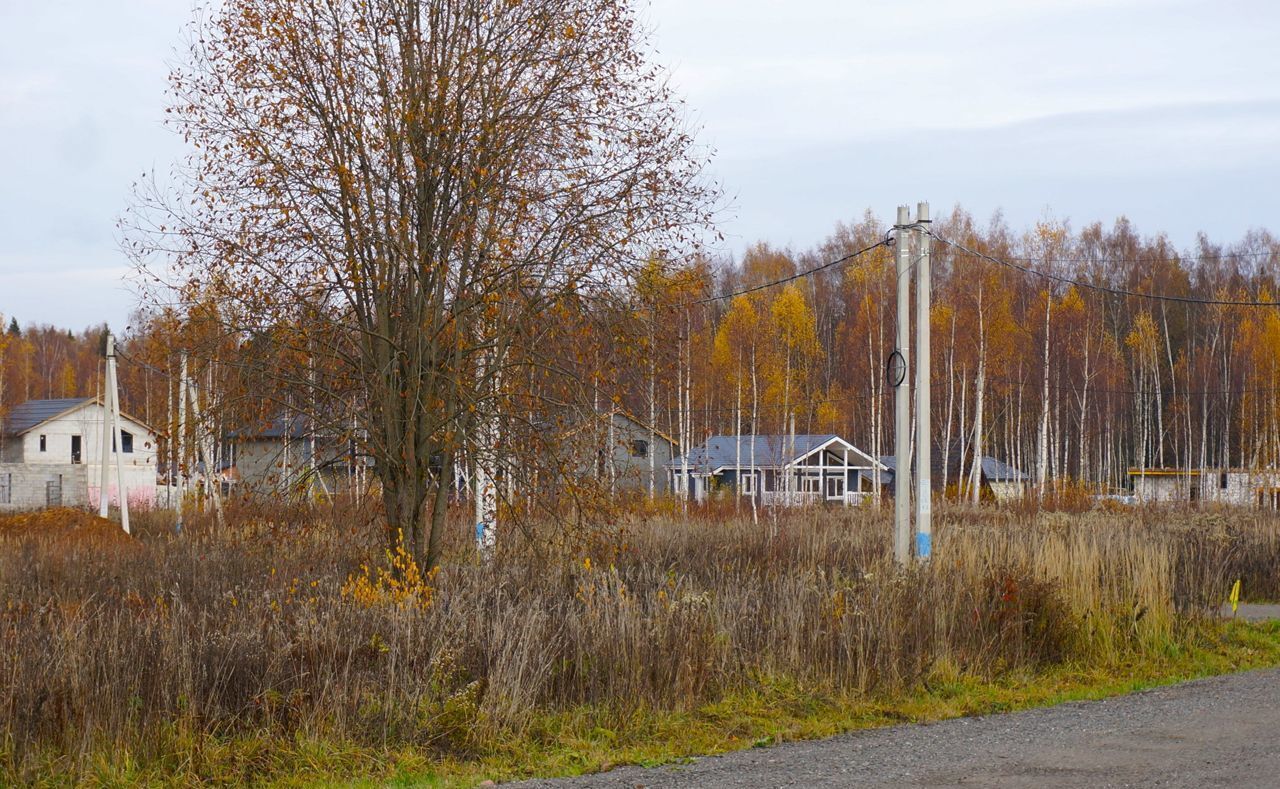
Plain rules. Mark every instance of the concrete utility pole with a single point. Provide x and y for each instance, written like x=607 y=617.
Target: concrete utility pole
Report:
x=112 y=438
x=924 y=432
x=104 y=473
x=899 y=375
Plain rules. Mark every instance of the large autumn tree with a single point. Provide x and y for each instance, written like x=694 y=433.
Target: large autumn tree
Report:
x=402 y=188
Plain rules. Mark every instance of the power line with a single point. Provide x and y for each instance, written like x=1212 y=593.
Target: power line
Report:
x=885 y=242
x=1101 y=288
x=1135 y=261
x=764 y=409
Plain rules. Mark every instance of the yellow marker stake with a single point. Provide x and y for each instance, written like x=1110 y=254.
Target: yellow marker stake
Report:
x=1235 y=596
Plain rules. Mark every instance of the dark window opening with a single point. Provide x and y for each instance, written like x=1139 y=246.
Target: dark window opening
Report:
x=126 y=441
x=1222 y=481
x=75 y=449
x=43 y=444
x=639 y=448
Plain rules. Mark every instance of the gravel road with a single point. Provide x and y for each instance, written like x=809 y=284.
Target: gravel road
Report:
x=1223 y=731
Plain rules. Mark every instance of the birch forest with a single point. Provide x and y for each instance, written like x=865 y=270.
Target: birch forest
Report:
x=1067 y=382
x=1060 y=375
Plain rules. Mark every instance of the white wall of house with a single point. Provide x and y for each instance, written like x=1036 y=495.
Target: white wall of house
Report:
x=1241 y=488
x=274 y=465
x=1007 y=491
x=51 y=444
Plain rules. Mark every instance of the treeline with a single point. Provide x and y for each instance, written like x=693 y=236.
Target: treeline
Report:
x=1064 y=381
x=41 y=362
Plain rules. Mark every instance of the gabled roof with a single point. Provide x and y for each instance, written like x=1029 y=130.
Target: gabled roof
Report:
x=992 y=470
x=635 y=420
x=999 y=471
x=36 y=412
x=770 y=450
x=28 y=416
x=279 y=427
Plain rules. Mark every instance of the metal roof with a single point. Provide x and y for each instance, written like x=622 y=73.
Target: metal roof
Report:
x=992 y=470
x=999 y=471
x=770 y=450
x=36 y=412
x=295 y=427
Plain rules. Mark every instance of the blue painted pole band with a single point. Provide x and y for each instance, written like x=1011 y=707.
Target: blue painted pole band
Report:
x=924 y=545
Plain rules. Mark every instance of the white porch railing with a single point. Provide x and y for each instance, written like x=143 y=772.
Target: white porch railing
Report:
x=795 y=498
x=789 y=498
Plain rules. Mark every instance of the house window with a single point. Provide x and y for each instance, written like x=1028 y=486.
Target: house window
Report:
x=6 y=482
x=639 y=448
x=811 y=484
x=747 y=483
x=835 y=487
x=126 y=441
x=1222 y=481
x=44 y=444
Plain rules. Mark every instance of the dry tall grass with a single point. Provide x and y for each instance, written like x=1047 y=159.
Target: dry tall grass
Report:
x=284 y=627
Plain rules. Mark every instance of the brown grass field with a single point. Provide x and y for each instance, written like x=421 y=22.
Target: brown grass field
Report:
x=206 y=656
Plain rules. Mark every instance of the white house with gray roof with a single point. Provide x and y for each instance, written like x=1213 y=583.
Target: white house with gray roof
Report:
x=52 y=456
x=778 y=469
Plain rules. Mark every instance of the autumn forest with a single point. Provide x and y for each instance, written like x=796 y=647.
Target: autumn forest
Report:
x=1065 y=382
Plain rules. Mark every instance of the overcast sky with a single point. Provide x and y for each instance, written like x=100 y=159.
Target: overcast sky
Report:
x=1167 y=111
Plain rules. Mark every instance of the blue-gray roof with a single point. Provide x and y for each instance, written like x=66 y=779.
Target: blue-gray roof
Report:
x=992 y=470
x=34 y=412
x=770 y=450
x=295 y=427
x=999 y=471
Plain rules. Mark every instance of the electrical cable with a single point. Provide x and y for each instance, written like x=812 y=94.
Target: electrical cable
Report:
x=885 y=242
x=1100 y=288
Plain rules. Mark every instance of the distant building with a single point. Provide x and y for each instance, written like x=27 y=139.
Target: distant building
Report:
x=778 y=469
x=286 y=454
x=1000 y=480
x=52 y=456
x=632 y=451
x=1245 y=488
x=617 y=450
